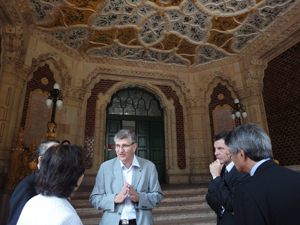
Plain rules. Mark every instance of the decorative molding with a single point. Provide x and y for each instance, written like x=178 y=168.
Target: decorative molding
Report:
x=90 y=81
x=57 y=65
x=72 y=92
x=209 y=80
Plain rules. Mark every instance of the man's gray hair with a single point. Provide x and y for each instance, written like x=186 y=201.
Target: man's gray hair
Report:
x=122 y=134
x=41 y=149
x=252 y=139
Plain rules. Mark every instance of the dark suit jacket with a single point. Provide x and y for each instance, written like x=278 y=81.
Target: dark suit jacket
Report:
x=220 y=193
x=23 y=192
x=271 y=196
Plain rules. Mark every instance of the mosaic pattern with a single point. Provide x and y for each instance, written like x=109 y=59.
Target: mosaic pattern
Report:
x=150 y=30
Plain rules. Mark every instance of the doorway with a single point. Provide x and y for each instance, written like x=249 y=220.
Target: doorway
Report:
x=139 y=111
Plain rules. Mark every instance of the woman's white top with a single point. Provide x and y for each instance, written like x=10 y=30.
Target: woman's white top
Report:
x=48 y=211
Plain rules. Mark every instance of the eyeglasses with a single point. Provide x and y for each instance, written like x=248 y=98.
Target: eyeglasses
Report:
x=125 y=147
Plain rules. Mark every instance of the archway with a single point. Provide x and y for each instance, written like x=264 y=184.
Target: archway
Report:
x=140 y=111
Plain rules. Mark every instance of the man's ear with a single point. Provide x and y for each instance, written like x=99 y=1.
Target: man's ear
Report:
x=242 y=155
x=40 y=161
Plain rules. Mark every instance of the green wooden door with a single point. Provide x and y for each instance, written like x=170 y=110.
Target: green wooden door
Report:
x=150 y=140
x=142 y=138
x=112 y=127
x=157 y=146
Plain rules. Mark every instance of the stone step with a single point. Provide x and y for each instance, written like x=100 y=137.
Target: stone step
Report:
x=194 y=216
x=189 y=221
x=162 y=207
x=182 y=214
x=181 y=205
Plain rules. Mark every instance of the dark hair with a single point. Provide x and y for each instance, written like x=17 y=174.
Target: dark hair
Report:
x=61 y=168
x=221 y=135
x=65 y=141
x=252 y=139
x=122 y=134
x=41 y=149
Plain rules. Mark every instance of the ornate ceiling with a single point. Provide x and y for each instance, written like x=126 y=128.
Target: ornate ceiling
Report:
x=180 y=32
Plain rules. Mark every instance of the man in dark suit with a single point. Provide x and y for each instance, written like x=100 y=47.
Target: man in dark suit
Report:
x=26 y=189
x=272 y=194
x=225 y=179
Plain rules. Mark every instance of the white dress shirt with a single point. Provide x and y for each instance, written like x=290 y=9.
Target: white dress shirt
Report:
x=128 y=212
x=254 y=168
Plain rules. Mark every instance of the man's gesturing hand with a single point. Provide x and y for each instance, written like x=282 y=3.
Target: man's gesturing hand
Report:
x=122 y=195
x=132 y=194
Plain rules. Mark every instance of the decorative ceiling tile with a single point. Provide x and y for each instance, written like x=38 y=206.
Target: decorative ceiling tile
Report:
x=114 y=6
x=125 y=36
x=74 y=44
x=106 y=21
x=218 y=38
x=200 y=19
x=171 y=42
x=104 y=37
x=76 y=16
x=129 y=19
x=183 y=32
x=79 y=33
x=196 y=34
x=174 y=16
x=90 y=4
x=41 y=11
x=228 y=23
x=60 y=35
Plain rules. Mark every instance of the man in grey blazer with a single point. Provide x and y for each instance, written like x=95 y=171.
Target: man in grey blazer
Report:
x=127 y=187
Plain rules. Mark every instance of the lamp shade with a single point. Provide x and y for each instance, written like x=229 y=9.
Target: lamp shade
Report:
x=49 y=103
x=244 y=114
x=238 y=114
x=233 y=116
x=236 y=101
x=56 y=86
x=59 y=104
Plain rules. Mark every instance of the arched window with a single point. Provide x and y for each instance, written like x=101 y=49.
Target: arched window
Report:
x=134 y=102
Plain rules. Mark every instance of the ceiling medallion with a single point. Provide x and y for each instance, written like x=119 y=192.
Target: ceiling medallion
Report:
x=175 y=32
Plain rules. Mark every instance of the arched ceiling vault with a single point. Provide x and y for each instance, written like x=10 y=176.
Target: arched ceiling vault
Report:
x=181 y=32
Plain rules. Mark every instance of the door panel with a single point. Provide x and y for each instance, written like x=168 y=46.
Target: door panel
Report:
x=142 y=135
x=157 y=148
x=112 y=127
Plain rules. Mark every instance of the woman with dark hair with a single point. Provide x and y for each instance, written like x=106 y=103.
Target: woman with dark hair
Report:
x=60 y=174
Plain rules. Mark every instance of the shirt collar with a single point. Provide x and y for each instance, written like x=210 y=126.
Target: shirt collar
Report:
x=135 y=163
x=229 y=166
x=254 y=168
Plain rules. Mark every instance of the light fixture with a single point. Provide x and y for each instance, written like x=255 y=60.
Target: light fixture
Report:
x=54 y=98
x=238 y=111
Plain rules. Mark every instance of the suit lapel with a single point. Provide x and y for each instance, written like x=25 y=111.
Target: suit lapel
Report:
x=230 y=174
x=137 y=174
x=117 y=170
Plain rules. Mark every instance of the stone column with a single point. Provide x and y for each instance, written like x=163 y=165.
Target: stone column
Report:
x=251 y=95
x=11 y=88
x=68 y=118
x=199 y=140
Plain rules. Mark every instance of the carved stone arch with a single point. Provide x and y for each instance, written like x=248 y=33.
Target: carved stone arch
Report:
x=93 y=78
x=146 y=84
x=213 y=81
x=57 y=66
x=142 y=85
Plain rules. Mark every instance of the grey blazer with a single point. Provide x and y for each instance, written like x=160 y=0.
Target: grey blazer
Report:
x=109 y=182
